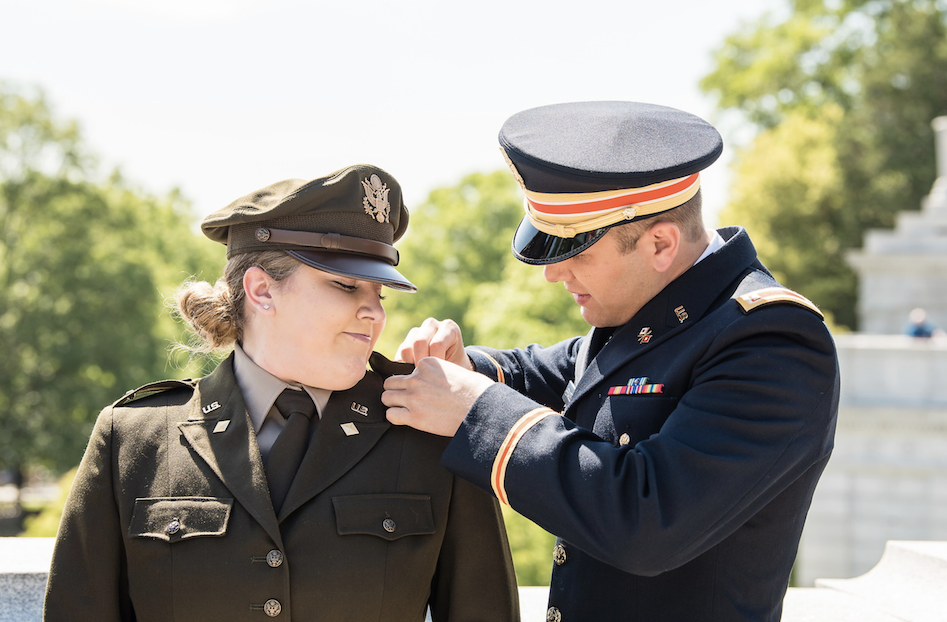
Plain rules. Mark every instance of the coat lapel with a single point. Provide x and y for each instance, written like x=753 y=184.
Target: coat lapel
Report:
x=676 y=308
x=219 y=431
x=336 y=447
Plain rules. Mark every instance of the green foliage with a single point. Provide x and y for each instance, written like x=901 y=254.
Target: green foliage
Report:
x=531 y=546
x=523 y=308
x=46 y=523
x=457 y=251
x=84 y=268
x=457 y=239
x=872 y=74
x=796 y=164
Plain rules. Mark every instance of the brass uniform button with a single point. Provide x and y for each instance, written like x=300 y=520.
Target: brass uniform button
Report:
x=553 y=615
x=389 y=525
x=559 y=554
x=624 y=439
x=274 y=558
x=272 y=608
x=173 y=527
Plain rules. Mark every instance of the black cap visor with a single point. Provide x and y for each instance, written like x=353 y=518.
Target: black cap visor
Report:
x=356 y=267
x=532 y=246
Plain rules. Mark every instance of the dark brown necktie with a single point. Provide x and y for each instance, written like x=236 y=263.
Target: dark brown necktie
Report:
x=287 y=452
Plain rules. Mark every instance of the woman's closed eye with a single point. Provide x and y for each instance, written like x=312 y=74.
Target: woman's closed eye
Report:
x=351 y=288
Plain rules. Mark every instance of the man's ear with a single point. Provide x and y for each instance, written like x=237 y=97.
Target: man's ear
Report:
x=258 y=286
x=665 y=238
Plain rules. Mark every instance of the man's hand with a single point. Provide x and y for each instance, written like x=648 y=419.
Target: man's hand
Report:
x=435 y=398
x=438 y=338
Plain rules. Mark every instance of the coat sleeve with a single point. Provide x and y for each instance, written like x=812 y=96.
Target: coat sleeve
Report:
x=88 y=572
x=541 y=373
x=758 y=414
x=475 y=580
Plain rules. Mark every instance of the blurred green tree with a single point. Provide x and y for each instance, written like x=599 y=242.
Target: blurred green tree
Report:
x=84 y=269
x=873 y=75
x=456 y=240
x=457 y=251
x=523 y=308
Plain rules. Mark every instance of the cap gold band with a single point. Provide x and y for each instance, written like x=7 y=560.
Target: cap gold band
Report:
x=560 y=214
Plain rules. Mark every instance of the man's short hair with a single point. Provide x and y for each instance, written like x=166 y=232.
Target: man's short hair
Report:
x=687 y=216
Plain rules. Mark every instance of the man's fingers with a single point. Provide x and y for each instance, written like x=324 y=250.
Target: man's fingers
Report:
x=416 y=343
x=398 y=415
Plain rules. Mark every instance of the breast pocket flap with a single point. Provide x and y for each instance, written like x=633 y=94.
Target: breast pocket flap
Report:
x=179 y=518
x=388 y=516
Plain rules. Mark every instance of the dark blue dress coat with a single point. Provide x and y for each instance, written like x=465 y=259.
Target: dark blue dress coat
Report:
x=679 y=475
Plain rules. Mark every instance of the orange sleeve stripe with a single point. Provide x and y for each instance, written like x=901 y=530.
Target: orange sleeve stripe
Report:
x=520 y=428
x=499 y=369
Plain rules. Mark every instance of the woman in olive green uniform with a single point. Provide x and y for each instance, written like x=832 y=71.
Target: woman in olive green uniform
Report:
x=213 y=500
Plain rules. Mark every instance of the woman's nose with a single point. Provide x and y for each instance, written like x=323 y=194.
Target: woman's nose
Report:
x=371 y=308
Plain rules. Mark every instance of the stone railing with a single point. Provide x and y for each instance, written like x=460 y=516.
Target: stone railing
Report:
x=24 y=565
x=909 y=584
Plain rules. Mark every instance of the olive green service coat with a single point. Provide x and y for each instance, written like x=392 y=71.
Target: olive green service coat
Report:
x=170 y=519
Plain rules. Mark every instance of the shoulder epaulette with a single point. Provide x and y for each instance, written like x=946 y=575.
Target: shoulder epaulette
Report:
x=154 y=388
x=773 y=295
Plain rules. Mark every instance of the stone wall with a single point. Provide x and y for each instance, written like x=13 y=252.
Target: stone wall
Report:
x=887 y=479
x=906 y=268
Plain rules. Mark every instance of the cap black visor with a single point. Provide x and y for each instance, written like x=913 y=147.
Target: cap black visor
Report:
x=532 y=246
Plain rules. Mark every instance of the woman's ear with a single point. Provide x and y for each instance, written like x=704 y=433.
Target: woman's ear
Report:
x=258 y=286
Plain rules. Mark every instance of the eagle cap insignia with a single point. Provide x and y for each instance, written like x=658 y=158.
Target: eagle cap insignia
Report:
x=376 y=198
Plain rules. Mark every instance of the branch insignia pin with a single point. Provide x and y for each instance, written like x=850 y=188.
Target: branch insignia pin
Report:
x=645 y=334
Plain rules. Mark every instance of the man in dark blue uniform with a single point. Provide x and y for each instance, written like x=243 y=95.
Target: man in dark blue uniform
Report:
x=675 y=448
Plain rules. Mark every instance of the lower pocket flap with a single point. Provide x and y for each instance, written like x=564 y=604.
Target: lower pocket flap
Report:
x=178 y=518
x=388 y=516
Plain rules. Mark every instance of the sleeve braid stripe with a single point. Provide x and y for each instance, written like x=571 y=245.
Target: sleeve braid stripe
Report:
x=519 y=429
x=499 y=370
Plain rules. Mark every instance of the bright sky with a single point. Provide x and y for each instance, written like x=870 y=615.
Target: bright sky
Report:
x=221 y=97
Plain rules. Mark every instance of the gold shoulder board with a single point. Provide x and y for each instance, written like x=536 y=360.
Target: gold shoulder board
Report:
x=771 y=295
x=153 y=388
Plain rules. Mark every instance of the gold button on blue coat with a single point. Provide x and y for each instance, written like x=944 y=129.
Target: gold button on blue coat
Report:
x=553 y=615
x=559 y=554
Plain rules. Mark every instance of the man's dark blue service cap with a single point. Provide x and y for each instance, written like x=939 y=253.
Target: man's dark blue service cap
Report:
x=586 y=166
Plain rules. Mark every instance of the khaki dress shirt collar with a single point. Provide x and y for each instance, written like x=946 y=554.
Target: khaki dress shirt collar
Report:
x=260 y=389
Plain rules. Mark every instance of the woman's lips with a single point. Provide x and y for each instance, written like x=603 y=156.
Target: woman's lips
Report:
x=360 y=337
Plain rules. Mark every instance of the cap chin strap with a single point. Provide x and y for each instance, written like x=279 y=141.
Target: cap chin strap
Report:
x=329 y=241
x=566 y=229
